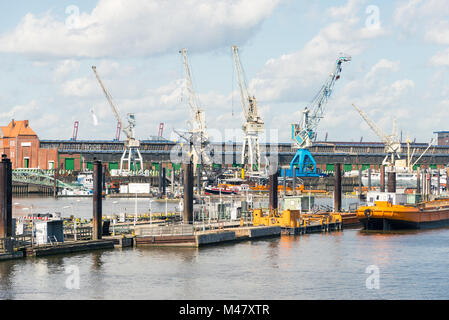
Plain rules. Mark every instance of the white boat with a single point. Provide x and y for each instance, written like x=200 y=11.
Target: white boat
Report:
x=404 y=178
x=86 y=180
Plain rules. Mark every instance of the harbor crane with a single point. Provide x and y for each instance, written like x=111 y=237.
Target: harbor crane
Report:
x=392 y=142
x=253 y=122
x=303 y=164
x=198 y=138
x=131 y=154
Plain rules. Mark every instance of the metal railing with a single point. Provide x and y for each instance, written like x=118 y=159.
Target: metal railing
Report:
x=78 y=233
x=170 y=230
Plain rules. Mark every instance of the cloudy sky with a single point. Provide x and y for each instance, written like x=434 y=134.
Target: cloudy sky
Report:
x=399 y=67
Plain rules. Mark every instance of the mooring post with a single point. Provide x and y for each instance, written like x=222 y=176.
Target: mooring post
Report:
x=418 y=180
x=382 y=178
x=163 y=182
x=392 y=181
x=160 y=180
x=369 y=178
x=172 y=174
x=273 y=200
x=188 y=193
x=360 y=182
x=284 y=181
x=438 y=182
x=337 y=188
x=294 y=181
x=5 y=197
x=55 y=181
x=97 y=230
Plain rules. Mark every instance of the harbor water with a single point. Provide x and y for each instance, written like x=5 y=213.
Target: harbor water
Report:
x=348 y=264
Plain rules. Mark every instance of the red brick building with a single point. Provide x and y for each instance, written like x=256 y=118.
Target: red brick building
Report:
x=21 y=144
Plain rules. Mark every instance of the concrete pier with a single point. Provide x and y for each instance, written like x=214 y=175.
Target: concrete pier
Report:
x=97 y=229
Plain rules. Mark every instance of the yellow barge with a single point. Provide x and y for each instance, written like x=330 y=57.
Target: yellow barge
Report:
x=396 y=214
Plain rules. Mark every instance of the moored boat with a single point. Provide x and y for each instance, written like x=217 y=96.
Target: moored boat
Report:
x=391 y=211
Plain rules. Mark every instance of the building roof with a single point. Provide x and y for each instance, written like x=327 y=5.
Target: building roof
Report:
x=17 y=128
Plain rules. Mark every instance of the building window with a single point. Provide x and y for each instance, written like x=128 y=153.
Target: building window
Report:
x=26 y=162
x=51 y=165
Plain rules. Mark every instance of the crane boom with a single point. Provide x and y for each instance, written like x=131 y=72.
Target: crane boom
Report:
x=253 y=122
x=303 y=134
x=131 y=154
x=249 y=103
x=378 y=131
x=113 y=107
x=391 y=142
x=198 y=135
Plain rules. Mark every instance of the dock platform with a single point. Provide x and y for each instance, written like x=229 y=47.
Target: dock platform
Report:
x=69 y=247
x=185 y=236
x=312 y=228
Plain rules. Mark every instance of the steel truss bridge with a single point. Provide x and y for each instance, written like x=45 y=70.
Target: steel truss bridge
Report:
x=41 y=177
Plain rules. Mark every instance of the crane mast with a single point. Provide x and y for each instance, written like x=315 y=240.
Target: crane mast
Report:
x=131 y=153
x=198 y=135
x=303 y=134
x=392 y=142
x=253 y=122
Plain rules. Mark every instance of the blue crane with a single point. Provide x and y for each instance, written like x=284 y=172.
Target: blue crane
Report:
x=303 y=164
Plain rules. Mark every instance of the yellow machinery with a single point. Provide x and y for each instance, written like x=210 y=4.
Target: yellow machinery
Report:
x=293 y=218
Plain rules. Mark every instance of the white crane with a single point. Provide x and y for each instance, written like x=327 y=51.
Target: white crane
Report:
x=253 y=122
x=131 y=154
x=198 y=139
x=392 y=142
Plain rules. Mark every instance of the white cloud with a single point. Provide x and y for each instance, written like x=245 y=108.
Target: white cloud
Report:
x=292 y=77
x=429 y=17
x=119 y=28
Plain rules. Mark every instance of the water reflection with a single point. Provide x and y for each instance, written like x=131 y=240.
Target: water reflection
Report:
x=6 y=281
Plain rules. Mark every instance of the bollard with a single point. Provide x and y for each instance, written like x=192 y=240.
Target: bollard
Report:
x=97 y=229
x=337 y=188
x=5 y=197
x=188 y=193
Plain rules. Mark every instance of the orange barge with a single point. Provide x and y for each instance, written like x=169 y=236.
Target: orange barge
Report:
x=388 y=215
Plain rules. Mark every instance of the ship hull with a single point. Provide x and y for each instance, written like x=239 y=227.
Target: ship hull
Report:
x=393 y=224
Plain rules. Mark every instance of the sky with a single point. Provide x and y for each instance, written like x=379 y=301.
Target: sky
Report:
x=288 y=48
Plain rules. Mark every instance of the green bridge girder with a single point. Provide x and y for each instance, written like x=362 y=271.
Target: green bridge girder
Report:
x=42 y=178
